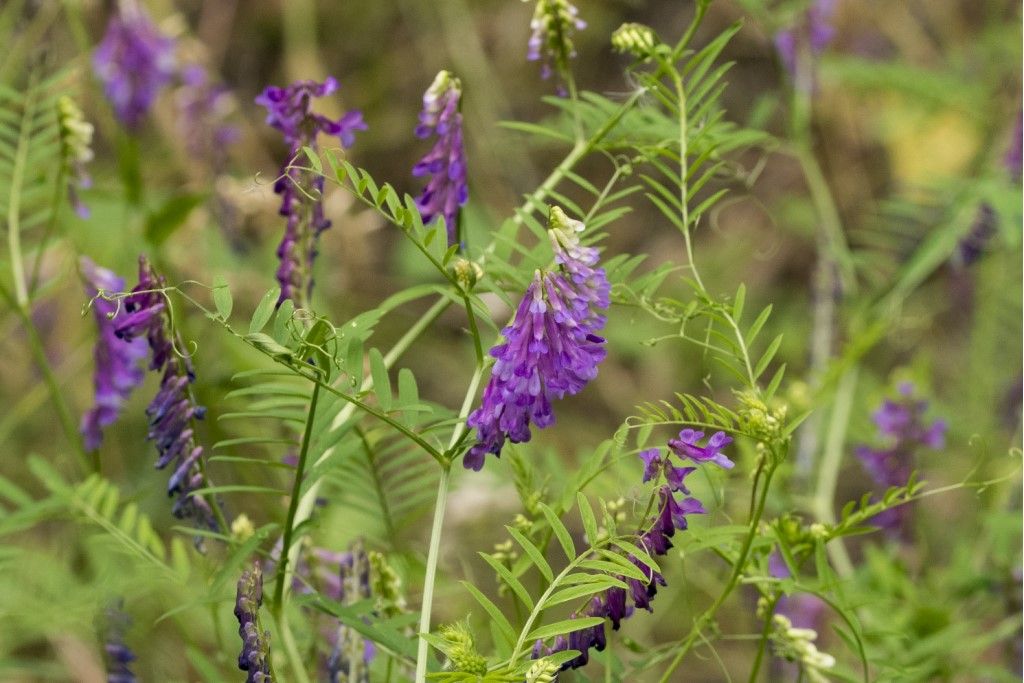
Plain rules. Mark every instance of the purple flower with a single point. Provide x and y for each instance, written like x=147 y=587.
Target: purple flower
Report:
x=686 y=446
x=901 y=422
x=811 y=34
x=173 y=410
x=255 y=655
x=117 y=370
x=550 y=348
x=551 y=29
x=446 y=161
x=652 y=463
x=134 y=61
x=203 y=107
x=118 y=655
x=289 y=110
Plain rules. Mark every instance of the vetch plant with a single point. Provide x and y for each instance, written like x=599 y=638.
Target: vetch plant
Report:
x=638 y=368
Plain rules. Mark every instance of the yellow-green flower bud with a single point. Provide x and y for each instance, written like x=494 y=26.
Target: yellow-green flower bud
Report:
x=636 y=39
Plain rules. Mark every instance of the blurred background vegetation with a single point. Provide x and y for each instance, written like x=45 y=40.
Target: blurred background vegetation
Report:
x=915 y=109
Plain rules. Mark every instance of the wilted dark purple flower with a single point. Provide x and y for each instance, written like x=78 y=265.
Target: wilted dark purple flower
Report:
x=289 y=110
x=811 y=34
x=550 y=348
x=612 y=603
x=551 y=29
x=446 y=161
x=117 y=370
x=173 y=410
x=255 y=655
x=902 y=423
x=204 y=107
x=134 y=61
x=118 y=656
x=686 y=446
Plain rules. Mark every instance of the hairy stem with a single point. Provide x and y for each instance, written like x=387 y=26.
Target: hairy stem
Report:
x=705 y=618
x=433 y=552
x=293 y=505
x=828 y=472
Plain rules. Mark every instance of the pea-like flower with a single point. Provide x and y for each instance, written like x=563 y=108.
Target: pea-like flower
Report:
x=445 y=163
x=255 y=655
x=134 y=61
x=290 y=111
x=550 y=350
x=117 y=370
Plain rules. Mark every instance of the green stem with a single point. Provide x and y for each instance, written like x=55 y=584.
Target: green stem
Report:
x=737 y=572
x=433 y=553
x=293 y=505
x=828 y=472
x=763 y=642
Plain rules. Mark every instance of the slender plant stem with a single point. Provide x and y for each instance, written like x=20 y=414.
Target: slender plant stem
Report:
x=763 y=642
x=293 y=505
x=705 y=618
x=291 y=649
x=828 y=471
x=433 y=552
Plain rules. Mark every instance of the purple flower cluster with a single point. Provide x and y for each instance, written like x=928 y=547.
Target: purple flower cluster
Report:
x=550 y=348
x=615 y=603
x=446 y=161
x=134 y=61
x=117 y=370
x=902 y=423
x=118 y=656
x=173 y=410
x=551 y=29
x=255 y=655
x=812 y=34
x=289 y=110
x=203 y=106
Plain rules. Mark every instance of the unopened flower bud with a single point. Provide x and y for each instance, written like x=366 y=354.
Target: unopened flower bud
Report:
x=636 y=39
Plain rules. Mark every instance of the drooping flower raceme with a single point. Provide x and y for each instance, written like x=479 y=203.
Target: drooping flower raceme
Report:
x=616 y=603
x=118 y=656
x=901 y=422
x=551 y=29
x=809 y=37
x=551 y=347
x=255 y=655
x=117 y=370
x=134 y=61
x=446 y=161
x=76 y=150
x=289 y=110
x=173 y=411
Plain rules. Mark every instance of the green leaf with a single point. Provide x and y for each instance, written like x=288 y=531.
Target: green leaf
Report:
x=222 y=297
x=510 y=580
x=261 y=316
x=492 y=610
x=737 y=304
x=583 y=590
x=162 y=223
x=534 y=553
x=562 y=627
x=762 y=364
x=638 y=553
x=561 y=533
x=381 y=382
x=587 y=515
x=314 y=159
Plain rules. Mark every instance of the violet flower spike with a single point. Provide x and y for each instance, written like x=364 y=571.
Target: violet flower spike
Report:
x=447 y=189
x=289 y=110
x=687 y=446
x=809 y=36
x=551 y=30
x=117 y=370
x=255 y=655
x=173 y=410
x=203 y=108
x=118 y=656
x=550 y=348
x=901 y=422
x=134 y=61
